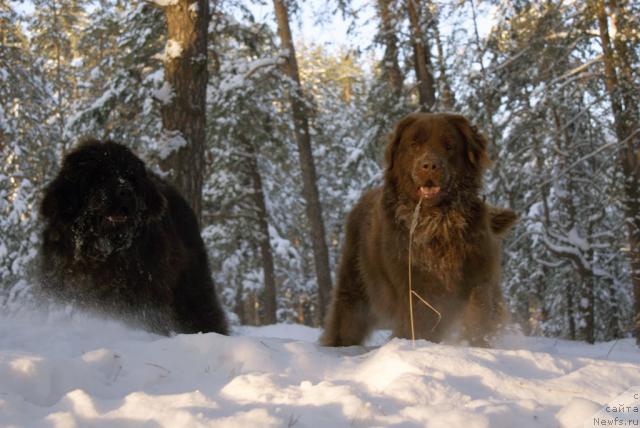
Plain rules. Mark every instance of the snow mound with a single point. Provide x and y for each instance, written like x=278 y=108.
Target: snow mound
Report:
x=81 y=371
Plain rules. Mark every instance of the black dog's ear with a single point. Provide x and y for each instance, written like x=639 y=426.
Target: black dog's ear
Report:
x=475 y=141
x=154 y=200
x=394 y=139
x=60 y=199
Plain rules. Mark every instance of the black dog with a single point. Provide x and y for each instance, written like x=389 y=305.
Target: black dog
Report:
x=121 y=241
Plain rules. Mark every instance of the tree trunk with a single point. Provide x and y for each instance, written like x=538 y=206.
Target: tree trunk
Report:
x=390 y=66
x=447 y=98
x=422 y=57
x=485 y=94
x=239 y=303
x=307 y=165
x=252 y=309
x=619 y=84
x=183 y=116
x=571 y=319
x=268 y=270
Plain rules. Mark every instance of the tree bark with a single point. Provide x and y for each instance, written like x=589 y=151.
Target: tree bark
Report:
x=390 y=66
x=307 y=165
x=183 y=116
x=619 y=84
x=422 y=57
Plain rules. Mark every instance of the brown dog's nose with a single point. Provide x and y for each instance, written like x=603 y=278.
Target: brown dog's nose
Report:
x=429 y=170
x=431 y=164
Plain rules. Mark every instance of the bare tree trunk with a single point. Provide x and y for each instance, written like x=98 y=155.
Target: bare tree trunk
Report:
x=619 y=84
x=613 y=328
x=268 y=270
x=240 y=304
x=422 y=57
x=390 y=60
x=307 y=164
x=447 y=98
x=252 y=309
x=60 y=111
x=571 y=318
x=183 y=117
x=485 y=94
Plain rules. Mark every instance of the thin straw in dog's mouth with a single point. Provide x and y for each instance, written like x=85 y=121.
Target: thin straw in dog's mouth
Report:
x=412 y=292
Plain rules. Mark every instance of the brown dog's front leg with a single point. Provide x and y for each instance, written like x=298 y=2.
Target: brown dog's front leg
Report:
x=349 y=320
x=483 y=315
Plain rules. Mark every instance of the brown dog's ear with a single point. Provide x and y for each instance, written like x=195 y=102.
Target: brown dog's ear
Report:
x=502 y=220
x=476 y=143
x=394 y=139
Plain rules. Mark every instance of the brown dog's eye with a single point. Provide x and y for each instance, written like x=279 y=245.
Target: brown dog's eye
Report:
x=447 y=146
x=415 y=145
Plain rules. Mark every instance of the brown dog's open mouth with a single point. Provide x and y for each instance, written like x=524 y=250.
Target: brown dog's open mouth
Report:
x=429 y=192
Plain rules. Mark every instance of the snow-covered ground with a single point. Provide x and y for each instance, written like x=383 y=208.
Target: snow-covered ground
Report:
x=78 y=371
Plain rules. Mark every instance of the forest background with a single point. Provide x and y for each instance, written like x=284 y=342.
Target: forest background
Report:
x=273 y=136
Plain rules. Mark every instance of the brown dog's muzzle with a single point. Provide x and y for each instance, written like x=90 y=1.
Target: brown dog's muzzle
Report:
x=431 y=170
x=430 y=177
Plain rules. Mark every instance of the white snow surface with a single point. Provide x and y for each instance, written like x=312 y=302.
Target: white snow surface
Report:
x=79 y=371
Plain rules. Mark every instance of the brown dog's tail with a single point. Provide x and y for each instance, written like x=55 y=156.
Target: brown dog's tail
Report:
x=501 y=220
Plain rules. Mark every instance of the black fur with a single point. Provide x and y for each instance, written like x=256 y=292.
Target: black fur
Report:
x=121 y=241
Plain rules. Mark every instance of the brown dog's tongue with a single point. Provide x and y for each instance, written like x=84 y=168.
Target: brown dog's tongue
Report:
x=429 y=192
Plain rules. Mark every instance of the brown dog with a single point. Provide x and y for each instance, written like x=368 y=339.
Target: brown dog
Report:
x=456 y=248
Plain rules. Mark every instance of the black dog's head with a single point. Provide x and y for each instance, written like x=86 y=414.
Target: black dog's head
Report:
x=100 y=200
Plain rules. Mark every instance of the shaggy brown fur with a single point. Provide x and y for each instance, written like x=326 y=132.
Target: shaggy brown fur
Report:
x=456 y=244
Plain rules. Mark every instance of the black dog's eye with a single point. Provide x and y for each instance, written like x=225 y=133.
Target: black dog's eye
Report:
x=447 y=146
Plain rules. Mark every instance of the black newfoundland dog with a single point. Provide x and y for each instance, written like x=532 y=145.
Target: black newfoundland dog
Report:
x=121 y=241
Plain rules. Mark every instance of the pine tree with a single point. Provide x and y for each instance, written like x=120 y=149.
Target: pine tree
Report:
x=56 y=27
x=620 y=59
x=25 y=153
x=300 y=115
x=183 y=112
x=122 y=76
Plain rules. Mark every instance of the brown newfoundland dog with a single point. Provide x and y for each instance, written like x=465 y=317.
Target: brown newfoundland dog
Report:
x=439 y=159
x=121 y=241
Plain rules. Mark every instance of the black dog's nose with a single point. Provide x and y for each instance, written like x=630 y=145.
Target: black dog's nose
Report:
x=123 y=200
x=122 y=193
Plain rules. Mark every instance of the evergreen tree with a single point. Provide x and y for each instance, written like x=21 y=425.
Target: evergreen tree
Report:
x=25 y=153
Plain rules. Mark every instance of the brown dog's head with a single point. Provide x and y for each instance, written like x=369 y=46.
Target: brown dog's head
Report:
x=438 y=157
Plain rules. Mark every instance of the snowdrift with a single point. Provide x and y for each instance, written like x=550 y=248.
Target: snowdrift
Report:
x=85 y=372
